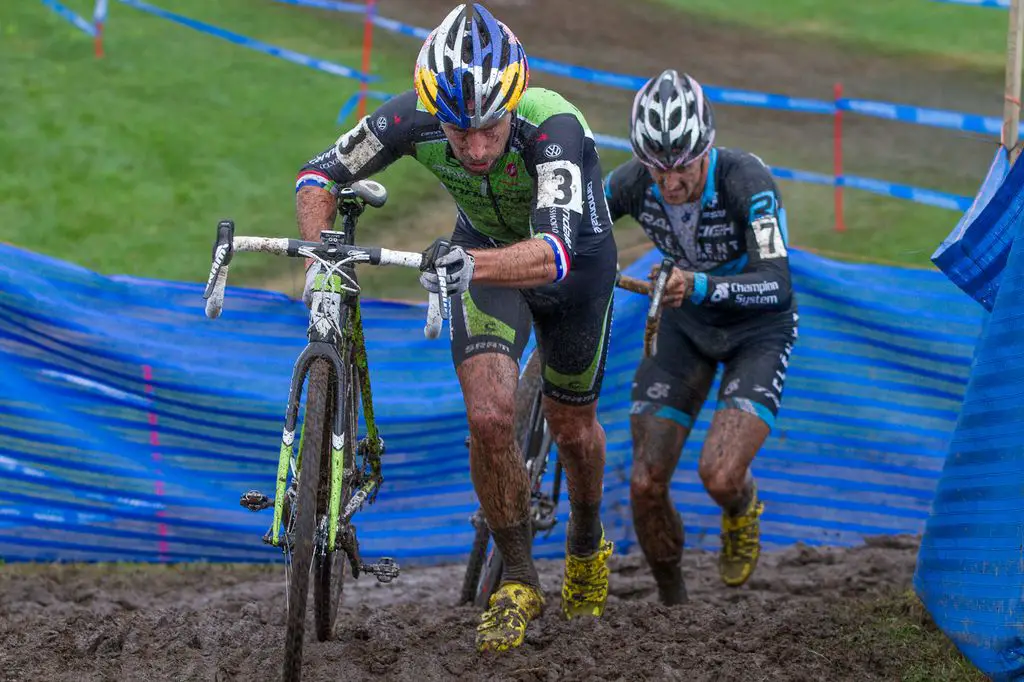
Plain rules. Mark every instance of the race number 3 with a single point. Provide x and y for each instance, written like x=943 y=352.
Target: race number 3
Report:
x=559 y=185
x=357 y=147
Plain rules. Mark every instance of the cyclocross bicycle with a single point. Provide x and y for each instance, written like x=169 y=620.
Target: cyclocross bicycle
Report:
x=319 y=490
x=485 y=565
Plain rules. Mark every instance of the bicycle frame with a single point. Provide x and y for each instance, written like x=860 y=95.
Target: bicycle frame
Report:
x=331 y=334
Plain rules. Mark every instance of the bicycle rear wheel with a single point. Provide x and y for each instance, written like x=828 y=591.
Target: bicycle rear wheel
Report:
x=302 y=531
x=329 y=567
x=477 y=554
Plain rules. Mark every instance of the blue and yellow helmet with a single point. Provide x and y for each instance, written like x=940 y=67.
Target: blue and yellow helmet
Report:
x=471 y=70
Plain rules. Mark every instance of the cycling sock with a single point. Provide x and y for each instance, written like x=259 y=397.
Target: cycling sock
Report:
x=584 y=527
x=516 y=545
x=742 y=502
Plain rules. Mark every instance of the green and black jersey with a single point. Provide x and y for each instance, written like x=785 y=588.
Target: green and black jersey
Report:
x=547 y=184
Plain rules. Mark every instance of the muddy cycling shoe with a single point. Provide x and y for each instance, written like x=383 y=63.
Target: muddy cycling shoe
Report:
x=741 y=544
x=585 y=587
x=509 y=610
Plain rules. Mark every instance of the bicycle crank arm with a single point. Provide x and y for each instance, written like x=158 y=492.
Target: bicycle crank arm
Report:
x=255 y=501
x=385 y=570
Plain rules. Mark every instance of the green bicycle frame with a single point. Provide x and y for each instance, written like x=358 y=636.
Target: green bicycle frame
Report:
x=326 y=345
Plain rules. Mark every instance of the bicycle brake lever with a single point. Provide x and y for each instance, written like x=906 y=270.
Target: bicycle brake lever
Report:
x=659 y=287
x=442 y=284
x=438 y=306
x=433 y=328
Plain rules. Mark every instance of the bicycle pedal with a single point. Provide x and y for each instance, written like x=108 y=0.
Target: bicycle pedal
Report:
x=385 y=570
x=255 y=501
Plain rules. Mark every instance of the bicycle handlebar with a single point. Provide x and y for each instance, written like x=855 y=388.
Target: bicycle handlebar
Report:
x=637 y=286
x=227 y=244
x=646 y=288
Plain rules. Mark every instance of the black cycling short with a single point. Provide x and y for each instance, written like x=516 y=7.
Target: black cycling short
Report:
x=572 y=321
x=674 y=383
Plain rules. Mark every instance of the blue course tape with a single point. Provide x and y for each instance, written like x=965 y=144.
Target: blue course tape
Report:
x=99 y=13
x=327 y=4
x=938 y=118
x=1000 y=4
x=287 y=55
x=351 y=102
x=75 y=20
x=766 y=100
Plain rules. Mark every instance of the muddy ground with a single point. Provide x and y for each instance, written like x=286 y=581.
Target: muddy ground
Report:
x=803 y=616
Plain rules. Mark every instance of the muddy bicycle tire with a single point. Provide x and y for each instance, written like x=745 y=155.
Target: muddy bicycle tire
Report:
x=303 y=531
x=329 y=571
x=471 y=579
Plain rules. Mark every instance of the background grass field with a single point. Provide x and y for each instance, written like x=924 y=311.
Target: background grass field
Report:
x=125 y=164
x=932 y=30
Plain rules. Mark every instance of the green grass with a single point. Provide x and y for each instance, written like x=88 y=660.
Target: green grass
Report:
x=905 y=640
x=124 y=165
x=968 y=35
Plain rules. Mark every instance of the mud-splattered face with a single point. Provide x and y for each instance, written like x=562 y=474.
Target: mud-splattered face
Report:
x=478 y=149
x=684 y=184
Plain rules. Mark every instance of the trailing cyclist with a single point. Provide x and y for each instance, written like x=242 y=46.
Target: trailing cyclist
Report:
x=718 y=214
x=532 y=245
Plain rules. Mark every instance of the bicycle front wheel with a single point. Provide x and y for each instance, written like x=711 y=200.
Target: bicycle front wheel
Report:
x=329 y=567
x=302 y=531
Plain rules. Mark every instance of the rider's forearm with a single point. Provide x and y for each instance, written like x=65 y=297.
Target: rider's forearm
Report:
x=527 y=264
x=766 y=288
x=315 y=210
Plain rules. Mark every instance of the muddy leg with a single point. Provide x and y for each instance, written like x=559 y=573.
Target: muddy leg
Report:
x=495 y=462
x=733 y=441
x=657 y=444
x=581 y=443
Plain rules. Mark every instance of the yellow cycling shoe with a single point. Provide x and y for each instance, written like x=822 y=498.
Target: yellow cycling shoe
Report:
x=510 y=608
x=741 y=544
x=585 y=587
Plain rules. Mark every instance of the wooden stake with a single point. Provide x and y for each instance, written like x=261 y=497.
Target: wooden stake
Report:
x=1011 y=105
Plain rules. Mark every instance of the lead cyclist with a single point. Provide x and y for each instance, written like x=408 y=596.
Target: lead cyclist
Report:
x=532 y=244
x=718 y=214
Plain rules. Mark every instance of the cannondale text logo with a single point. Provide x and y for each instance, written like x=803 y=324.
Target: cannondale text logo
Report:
x=553 y=151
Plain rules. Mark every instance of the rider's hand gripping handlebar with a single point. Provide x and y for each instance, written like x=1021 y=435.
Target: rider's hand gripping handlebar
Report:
x=351 y=199
x=439 y=304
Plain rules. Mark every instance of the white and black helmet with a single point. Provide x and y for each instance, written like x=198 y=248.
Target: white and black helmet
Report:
x=672 y=122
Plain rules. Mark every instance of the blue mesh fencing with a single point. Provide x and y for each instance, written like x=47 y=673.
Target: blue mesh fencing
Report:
x=130 y=423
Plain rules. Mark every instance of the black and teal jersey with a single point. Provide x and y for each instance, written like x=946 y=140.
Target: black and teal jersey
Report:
x=548 y=183
x=734 y=237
